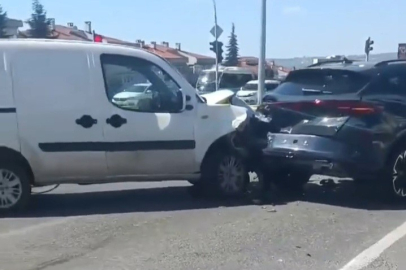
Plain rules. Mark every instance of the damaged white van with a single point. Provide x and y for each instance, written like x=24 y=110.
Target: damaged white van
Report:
x=61 y=125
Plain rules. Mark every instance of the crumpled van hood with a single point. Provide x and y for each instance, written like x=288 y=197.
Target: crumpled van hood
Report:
x=218 y=97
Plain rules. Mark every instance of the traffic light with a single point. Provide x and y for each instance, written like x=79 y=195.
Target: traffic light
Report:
x=219 y=53
x=217 y=48
x=368 y=45
x=213 y=46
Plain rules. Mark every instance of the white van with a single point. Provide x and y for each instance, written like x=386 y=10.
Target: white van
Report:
x=231 y=78
x=59 y=124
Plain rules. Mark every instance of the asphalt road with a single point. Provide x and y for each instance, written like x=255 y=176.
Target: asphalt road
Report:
x=160 y=226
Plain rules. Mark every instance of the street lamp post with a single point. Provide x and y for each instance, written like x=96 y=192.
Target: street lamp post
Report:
x=262 y=60
x=216 y=36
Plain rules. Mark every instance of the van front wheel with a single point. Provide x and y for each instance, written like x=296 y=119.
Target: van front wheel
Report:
x=225 y=174
x=15 y=187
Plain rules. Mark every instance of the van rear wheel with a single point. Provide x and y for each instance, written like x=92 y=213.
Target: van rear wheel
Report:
x=15 y=187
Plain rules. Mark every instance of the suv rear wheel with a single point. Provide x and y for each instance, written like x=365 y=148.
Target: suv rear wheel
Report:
x=393 y=183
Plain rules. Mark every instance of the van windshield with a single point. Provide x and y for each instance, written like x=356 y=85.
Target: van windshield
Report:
x=232 y=80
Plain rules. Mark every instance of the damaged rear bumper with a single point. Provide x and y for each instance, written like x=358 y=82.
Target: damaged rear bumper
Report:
x=320 y=155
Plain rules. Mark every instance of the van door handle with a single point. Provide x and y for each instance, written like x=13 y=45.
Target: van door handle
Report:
x=86 y=121
x=116 y=121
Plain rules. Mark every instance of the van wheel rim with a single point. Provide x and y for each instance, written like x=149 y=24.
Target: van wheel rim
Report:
x=231 y=175
x=399 y=175
x=10 y=189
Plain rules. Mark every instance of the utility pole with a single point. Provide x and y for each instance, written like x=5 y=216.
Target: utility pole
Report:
x=216 y=42
x=262 y=60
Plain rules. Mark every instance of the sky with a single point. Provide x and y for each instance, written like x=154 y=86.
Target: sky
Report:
x=295 y=28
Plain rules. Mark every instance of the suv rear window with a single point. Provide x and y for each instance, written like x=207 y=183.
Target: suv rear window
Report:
x=322 y=82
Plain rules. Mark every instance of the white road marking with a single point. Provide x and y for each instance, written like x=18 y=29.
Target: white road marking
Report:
x=29 y=229
x=373 y=252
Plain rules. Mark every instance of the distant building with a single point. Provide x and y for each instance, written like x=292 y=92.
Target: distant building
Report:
x=12 y=26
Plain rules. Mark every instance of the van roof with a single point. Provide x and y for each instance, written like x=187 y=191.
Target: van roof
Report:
x=70 y=44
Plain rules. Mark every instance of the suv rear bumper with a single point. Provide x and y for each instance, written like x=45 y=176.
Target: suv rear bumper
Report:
x=321 y=155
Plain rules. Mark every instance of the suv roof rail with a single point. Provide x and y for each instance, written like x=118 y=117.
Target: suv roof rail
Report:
x=330 y=61
x=387 y=62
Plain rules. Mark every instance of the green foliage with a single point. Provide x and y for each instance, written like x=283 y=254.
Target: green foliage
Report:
x=39 y=24
x=232 y=49
x=3 y=21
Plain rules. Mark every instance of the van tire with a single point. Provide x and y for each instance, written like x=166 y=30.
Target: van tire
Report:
x=224 y=174
x=14 y=172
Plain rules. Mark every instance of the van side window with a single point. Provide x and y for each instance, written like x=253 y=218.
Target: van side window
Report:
x=138 y=85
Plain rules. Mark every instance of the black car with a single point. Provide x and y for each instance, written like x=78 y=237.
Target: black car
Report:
x=339 y=119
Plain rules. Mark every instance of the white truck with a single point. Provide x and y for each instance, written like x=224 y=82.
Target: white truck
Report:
x=229 y=78
x=59 y=124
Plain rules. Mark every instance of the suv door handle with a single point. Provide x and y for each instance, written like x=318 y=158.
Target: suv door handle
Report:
x=116 y=121
x=86 y=121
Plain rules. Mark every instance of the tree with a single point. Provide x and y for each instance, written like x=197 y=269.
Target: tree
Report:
x=39 y=24
x=232 y=49
x=3 y=22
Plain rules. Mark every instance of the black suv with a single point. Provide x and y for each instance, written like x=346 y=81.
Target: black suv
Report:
x=344 y=119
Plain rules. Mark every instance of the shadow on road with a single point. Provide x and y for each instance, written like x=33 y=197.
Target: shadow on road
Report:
x=340 y=193
x=120 y=201
x=343 y=194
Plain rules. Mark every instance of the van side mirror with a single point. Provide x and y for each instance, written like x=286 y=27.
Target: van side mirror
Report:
x=182 y=100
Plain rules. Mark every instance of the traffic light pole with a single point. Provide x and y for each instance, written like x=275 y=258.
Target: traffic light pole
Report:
x=262 y=60
x=216 y=36
x=368 y=48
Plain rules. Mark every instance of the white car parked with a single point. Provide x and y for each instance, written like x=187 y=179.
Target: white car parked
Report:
x=59 y=124
x=249 y=92
x=130 y=94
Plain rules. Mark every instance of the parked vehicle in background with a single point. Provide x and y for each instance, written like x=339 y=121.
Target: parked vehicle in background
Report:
x=338 y=119
x=230 y=78
x=78 y=135
x=129 y=94
x=249 y=92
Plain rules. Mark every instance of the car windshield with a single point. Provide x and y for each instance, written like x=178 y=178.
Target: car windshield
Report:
x=136 y=88
x=232 y=80
x=254 y=86
x=250 y=86
x=322 y=82
x=271 y=86
x=207 y=77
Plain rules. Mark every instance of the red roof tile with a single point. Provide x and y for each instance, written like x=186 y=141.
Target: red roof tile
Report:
x=165 y=52
x=68 y=33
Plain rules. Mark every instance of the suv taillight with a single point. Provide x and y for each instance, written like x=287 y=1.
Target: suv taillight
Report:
x=354 y=108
